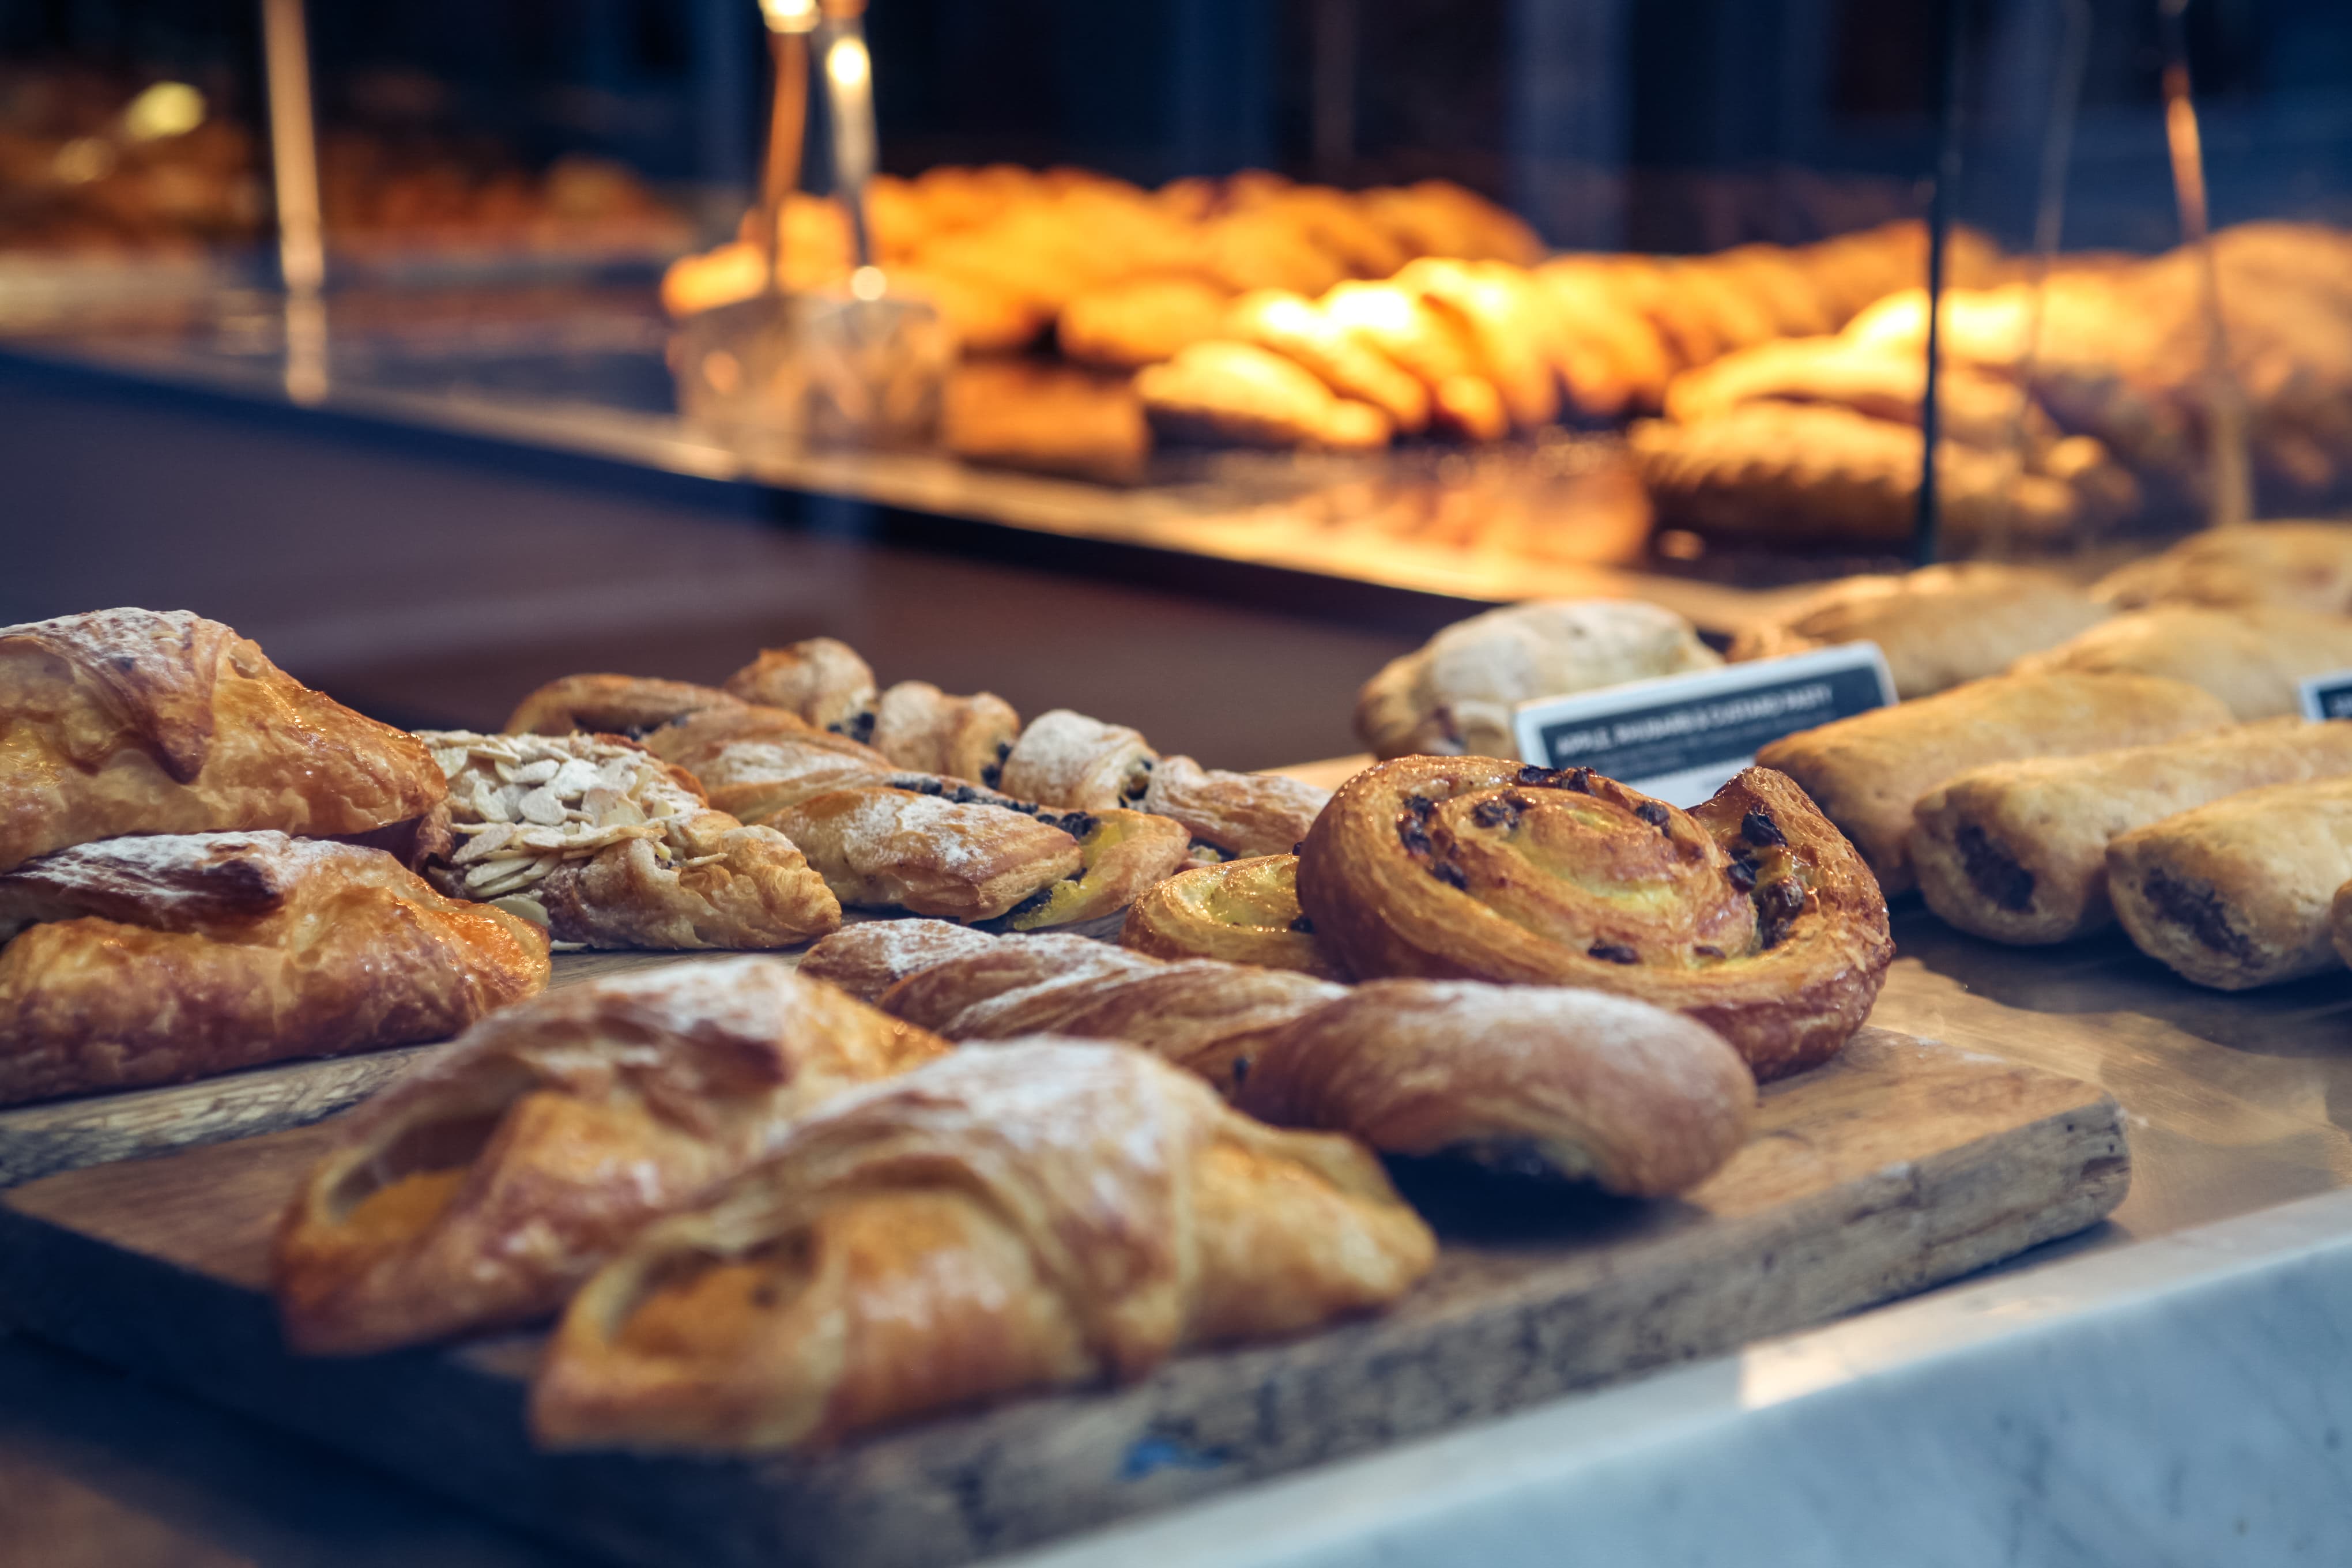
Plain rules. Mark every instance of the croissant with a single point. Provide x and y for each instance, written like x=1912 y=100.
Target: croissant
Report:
x=1238 y=911
x=162 y=722
x=1751 y=913
x=154 y=960
x=1532 y=1080
x=1045 y=1214
x=480 y=1191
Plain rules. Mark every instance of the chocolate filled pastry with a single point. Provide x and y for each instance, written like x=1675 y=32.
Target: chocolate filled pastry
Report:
x=478 y=1191
x=819 y=678
x=2306 y=565
x=2018 y=851
x=1866 y=773
x=1235 y=814
x=627 y=705
x=2239 y=893
x=601 y=843
x=2252 y=657
x=1532 y=1080
x=1455 y=694
x=918 y=726
x=1239 y=912
x=1751 y=913
x=1069 y=760
x=151 y=960
x=1938 y=627
x=162 y=722
x=1045 y=1215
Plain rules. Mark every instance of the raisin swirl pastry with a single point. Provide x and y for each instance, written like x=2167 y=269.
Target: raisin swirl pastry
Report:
x=1537 y=1080
x=1751 y=913
x=1048 y=1214
x=1238 y=911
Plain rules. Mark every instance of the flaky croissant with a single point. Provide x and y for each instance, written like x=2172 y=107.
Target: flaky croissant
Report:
x=157 y=959
x=1751 y=913
x=1573 y=1083
x=162 y=722
x=478 y=1191
x=1044 y=1214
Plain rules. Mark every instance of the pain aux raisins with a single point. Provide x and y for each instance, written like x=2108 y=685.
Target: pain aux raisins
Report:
x=1576 y=779
x=1413 y=824
x=1501 y=812
x=1651 y=812
x=1613 y=952
x=1761 y=831
x=1778 y=904
x=1742 y=871
x=1451 y=875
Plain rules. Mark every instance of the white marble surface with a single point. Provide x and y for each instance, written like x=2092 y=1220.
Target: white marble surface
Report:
x=2182 y=1401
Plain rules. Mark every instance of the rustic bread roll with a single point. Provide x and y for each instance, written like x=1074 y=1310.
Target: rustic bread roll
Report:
x=1938 y=627
x=1866 y=773
x=1047 y=1213
x=160 y=958
x=2018 y=851
x=145 y=722
x=2240 y=892
x=2252 y=657
x=1240 y=912
x=1453 y=695
x=1751 y=914
x=2306 y=565
x=478 y=1191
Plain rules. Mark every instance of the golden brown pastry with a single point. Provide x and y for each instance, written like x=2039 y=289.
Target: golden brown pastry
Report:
x=477 y=1192
x=132 y=962
x=162 y=722
x=1049 y=418
x=2306 y=565
x=2251 y=656
x=1348 y=362
x=1751 y=913
x=892 y=848
x=1235 y=814
x=2018 y=851
x=1938 y=627
x=1042 y=1215
x=753 y=760
x=1239 y=912
x=1455 y=694
x=1069 y=760
x=611 y=704
x=1497 y=309
x=1230 y=392
x=1866 y=773
x=1433 y=345
x=1534 y=1080
x=599 y=842
x=1139 y=322
x=2239 y=893
x=918 y=726
x=888 y=951
x=820 y=680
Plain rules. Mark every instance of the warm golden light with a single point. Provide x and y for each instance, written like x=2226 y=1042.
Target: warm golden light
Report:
x=867 y=283
x=847 y=65
x=166 y=109
x=788 y=16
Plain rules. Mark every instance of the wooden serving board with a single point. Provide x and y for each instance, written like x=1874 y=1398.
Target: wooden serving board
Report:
x=1903 y=1164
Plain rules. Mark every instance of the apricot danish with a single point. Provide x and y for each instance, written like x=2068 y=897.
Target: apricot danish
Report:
x=1751 y=914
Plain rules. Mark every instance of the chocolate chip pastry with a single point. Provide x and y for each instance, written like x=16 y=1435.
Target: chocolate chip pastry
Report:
x=1751 y=913
x=1530 y=1079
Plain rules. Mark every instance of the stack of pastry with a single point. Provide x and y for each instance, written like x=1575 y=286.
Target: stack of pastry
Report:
x=183 y=885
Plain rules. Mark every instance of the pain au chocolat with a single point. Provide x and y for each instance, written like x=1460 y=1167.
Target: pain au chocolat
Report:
x=160 y=721
x=1750 y=913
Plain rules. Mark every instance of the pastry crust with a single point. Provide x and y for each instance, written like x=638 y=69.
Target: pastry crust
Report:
x=1345 y=361
x=1938 y=627
x=892 y=849
x=2252 y=657
x=1534 y=1080
x=595 y=839
x=1240 y=912
x=1068 y=759
x=162 y=722
x=881 y=953
x=478 y=1191
x=2306 y=565
x=1455 y=694
x=2239 y=893
x=1140 y=322
x=627 y=705
x=1866 y=773
x=1751 y=914
x=1229 y=392
x=1045 y=1214
x=2018 y=852
x=132 y=961
x=1237 y=814
x=918 y=726
x=820 y=680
